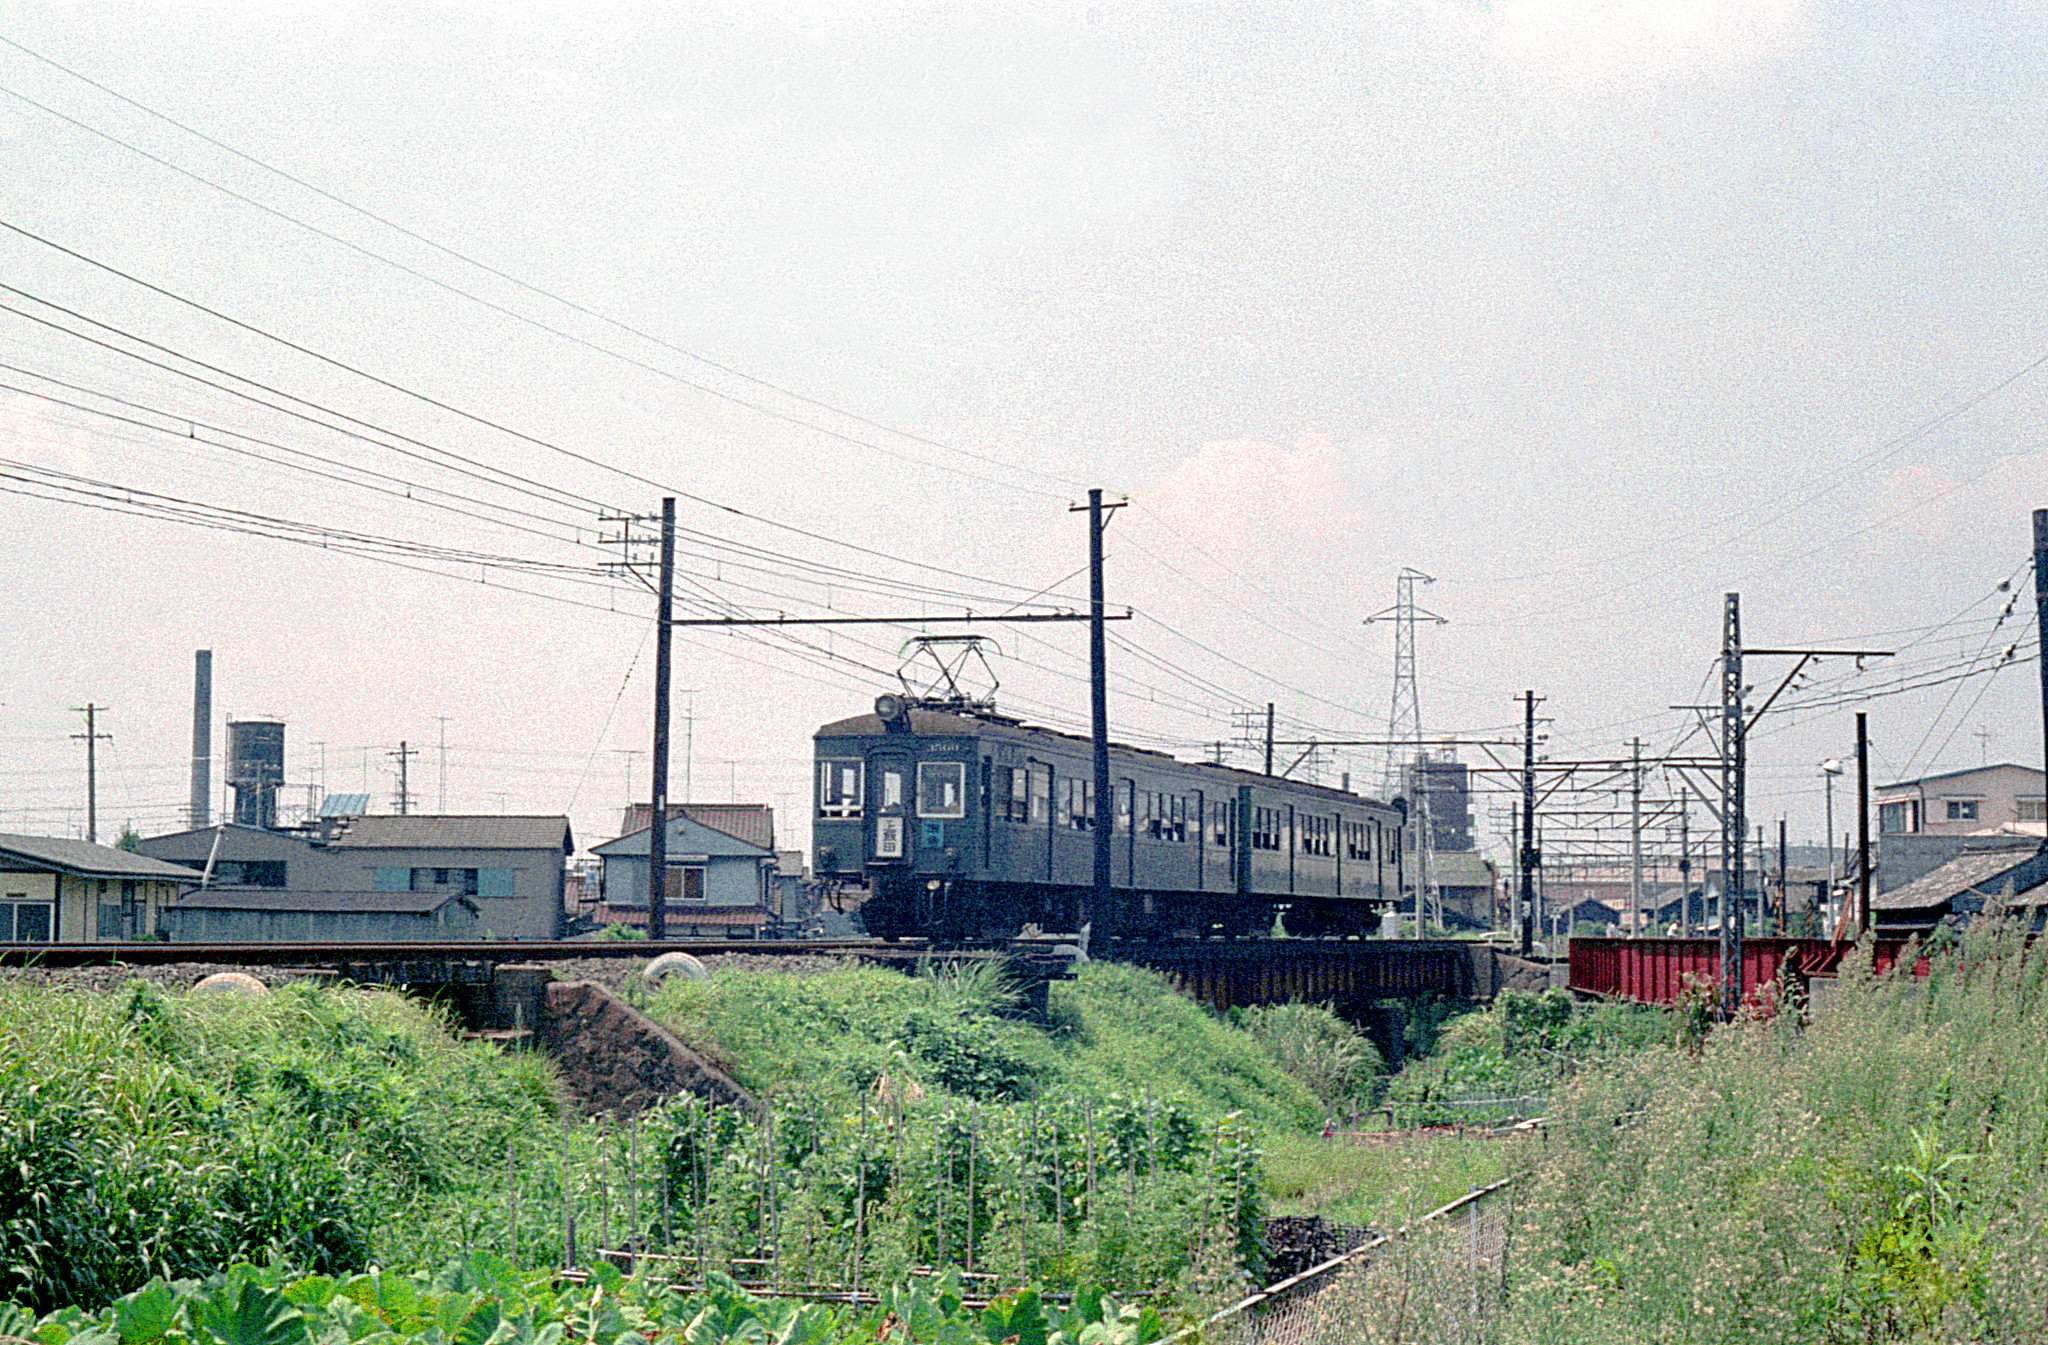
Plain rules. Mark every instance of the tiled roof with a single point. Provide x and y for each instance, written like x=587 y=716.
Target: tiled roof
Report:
x=753 y=823
x=83 y=857
x=381 y=831
x=1959 y=875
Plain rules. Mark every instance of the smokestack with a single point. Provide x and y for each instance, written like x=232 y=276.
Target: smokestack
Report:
x=202 y=736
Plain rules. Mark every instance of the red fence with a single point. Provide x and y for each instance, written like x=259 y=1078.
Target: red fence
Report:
x=1650 y=971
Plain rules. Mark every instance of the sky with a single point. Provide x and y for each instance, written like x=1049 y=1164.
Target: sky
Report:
x=339 y=337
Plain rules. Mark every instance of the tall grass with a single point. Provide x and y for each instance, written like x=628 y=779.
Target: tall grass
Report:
x=1113 y=1030
x=1879 y=1174
x=144 y=1135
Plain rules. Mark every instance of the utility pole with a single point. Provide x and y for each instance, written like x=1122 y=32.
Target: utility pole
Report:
x=1269 y=737
x=657 y=822
x=1734 y=746
x=1099 y=903
x=1530 y=857
x=1862 y=823
x=2041 y=619
x=1685 y=871
x=1735 y=722
x=1405 y=725
x=92 y=738
x=404 y=754
x=1784 y=885
x=441 y=803
x=1635 y=838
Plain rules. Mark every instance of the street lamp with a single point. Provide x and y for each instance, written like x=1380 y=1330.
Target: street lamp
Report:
x=1829 y=769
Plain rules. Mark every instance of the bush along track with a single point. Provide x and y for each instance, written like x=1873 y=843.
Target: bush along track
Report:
x=482 y=1300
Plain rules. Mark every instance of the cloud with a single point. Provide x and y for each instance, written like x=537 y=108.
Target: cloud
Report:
x=1588 y=42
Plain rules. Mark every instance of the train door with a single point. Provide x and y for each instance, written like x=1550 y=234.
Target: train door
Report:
x=888 y=776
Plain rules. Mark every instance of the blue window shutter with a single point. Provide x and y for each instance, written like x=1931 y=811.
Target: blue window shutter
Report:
x=494 y=882
x=394 y=880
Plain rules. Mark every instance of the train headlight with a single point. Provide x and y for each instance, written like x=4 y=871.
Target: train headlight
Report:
x=891 y=708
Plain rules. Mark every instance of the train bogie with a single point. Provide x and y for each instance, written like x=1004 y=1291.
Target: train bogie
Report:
x=966 y=827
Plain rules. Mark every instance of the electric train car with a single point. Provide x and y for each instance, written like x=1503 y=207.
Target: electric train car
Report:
x=967 y=826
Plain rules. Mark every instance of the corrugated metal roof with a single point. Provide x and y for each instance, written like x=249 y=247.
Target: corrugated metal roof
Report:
x=345 y=805
x=83 y=857
x=1944 y=884
x=424 y=832
x=283 y=899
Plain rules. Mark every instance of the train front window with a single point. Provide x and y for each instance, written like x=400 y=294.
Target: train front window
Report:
x=839 y=789
x=941 y=789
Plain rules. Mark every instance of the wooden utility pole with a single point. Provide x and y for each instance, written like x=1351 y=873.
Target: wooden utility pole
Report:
x=657 y=822
x=1100 y=904
x=92 y=770
x=2041 y=619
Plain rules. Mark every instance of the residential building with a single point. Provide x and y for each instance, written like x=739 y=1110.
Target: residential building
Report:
x=718 y=884
x=77 y=892
x=1984 y=800
x=373 y=878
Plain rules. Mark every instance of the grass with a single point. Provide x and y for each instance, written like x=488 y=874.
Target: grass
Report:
x=1875 y=1174
x=147 y=1134
x=1384 y=1185
x=1114 y=1031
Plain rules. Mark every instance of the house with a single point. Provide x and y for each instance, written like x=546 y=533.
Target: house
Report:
x=362 y=878
x=1984 y=800
x=1465 y=884
x=2013 y=877
x=719 y=885
x=77 y=892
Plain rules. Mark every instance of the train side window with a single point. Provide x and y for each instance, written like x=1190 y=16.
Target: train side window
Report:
x=839 y=789
x=1079 y=809
x=1041 y=796
x=1219 y=824
x=1019 y=801
x=1126 y=801
x=941 y=789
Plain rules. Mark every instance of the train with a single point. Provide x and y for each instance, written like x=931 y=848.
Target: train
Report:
x=967 y=826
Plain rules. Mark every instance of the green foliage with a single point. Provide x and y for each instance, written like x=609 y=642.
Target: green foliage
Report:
x=1875 y=1175
x=152 y=1135
x=482 y=1300
x=1121 y=1030
x=1505 y=1061
x=1320 y=1049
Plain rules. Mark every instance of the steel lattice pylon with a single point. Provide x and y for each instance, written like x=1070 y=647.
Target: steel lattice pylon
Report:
x=1404 y=725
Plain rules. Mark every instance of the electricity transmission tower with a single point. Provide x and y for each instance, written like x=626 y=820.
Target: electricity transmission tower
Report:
x=1404 y=725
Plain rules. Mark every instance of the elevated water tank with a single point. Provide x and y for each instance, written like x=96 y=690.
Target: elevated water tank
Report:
x=256 y=769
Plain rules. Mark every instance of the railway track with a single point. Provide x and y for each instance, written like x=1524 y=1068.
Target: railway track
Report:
x=146 y=953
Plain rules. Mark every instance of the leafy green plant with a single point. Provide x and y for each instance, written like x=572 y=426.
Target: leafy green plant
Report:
x=1331 y=1058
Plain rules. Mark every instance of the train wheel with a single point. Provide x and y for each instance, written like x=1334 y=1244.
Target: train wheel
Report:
x=1305 y=921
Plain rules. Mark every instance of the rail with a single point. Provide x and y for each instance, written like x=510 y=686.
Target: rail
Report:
x=151 y=953
x=1268 y=1312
